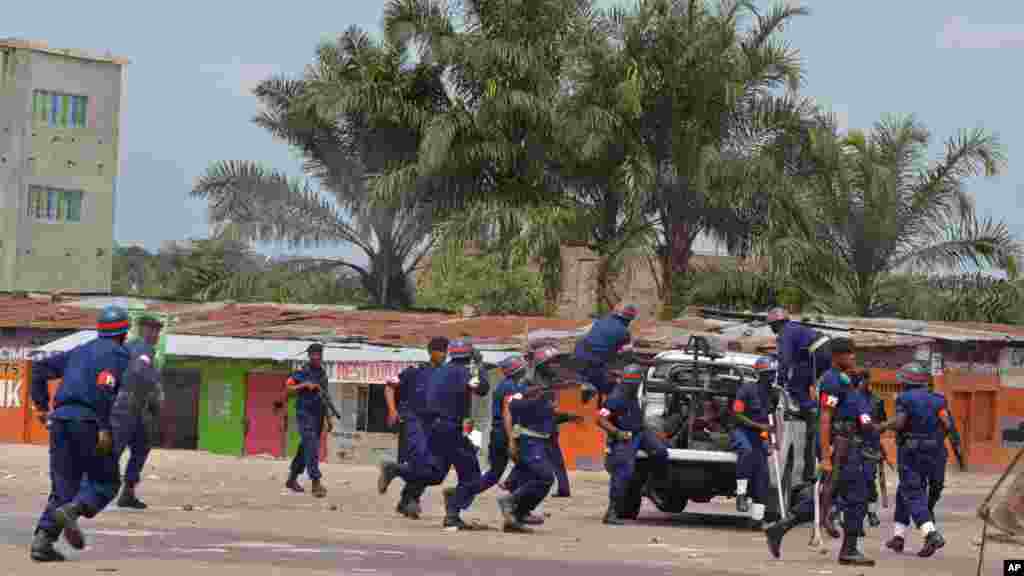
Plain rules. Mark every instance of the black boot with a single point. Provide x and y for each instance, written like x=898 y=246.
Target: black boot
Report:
x=742 y=503
x=67 y=520
x=43 y=550
x=409 y=508
x=873 y=520
x=508 y=506
x=896 y=544
x=129 y=500
x=451 y=514
x=776 y=532
x=611 y=517
x=388 y=473
x=293 y=483
x=932 y=542
x=849 y=555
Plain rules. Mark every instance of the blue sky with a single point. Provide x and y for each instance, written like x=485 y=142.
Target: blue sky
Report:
x=188 y=99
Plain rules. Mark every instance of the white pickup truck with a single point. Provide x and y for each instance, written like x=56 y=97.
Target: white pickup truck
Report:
x=687 y=398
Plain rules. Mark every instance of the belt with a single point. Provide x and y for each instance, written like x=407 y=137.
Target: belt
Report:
x=518 y=430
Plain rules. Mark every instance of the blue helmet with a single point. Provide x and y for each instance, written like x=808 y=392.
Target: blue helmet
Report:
x=113 y=321
x=460 y=350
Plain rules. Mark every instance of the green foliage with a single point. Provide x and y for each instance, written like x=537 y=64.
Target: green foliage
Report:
x=481 y=281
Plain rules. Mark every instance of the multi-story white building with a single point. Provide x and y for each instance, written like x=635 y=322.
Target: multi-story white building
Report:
x=59 y=133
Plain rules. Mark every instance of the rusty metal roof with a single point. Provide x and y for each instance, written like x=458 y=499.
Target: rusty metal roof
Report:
x=412 y=329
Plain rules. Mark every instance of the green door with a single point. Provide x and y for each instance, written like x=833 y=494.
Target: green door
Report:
x=222 y=409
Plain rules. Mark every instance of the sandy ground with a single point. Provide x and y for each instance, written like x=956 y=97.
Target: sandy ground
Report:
x=229 y=515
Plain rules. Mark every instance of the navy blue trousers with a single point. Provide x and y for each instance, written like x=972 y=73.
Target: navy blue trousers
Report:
x=918 y=463
x=852 y=493
x=534 y=474
x=77 y=474
x=308 y=456
x=497 y=456
x=130 y=434
x=752 y=463
x=621 y=461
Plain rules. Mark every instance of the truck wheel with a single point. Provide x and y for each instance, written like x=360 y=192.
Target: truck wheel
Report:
x=671 y=503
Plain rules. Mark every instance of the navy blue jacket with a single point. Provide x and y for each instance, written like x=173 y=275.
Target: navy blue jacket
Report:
x=793 y=343
x=623 y=409
x=91 y=375
x=848 y=403
x=536 y=413
x=308 y=402
x=412 y=388
x=923 y=410
x=752 y=401
x=505 y=388
x=448 y=392
x=606 y=337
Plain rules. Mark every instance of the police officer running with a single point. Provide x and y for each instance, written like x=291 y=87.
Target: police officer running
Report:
x=136 y=412
x=622 y=419
x=84 y=475
x=529 y=421
x=514 y=369
x=608 y=337
x=844 y=418
x=750 y=440
x=921 y=422
x=797 y=345
x=415 y=464
x=308 y=384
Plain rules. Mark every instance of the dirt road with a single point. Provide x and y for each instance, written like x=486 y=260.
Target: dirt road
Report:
x=224 y=514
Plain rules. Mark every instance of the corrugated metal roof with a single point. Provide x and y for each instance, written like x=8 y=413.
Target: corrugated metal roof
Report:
x=186 y=345
x=43 y=46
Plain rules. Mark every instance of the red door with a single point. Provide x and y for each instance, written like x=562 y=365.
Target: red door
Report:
x=264 y=425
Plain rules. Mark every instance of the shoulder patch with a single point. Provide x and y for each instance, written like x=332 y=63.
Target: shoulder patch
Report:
x=106 y=380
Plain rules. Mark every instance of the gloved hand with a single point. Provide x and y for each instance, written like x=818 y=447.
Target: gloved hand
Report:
x=104 y=443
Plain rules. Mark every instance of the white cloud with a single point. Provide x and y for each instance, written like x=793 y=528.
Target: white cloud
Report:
x=958 y=33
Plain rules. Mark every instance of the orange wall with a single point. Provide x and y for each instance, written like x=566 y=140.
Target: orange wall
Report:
x=581 y=444
x=14 y=383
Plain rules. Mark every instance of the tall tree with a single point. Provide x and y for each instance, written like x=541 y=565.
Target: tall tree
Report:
x=358 y=112
x=874 y=208
x=704 y=86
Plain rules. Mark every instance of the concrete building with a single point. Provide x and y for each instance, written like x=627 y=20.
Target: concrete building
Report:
x=60 y=116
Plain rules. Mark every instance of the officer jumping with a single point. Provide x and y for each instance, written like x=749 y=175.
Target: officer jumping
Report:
x=415 y=459
x=530 y=422
x=608 y=337
x=309 y=385
x=750 y=440
x=136 y=412
x=797 y=345
x=622 y=419
x=844 y=418
x=84 y=475
x=921 y=422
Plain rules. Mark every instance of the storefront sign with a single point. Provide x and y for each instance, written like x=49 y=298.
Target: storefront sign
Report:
x=11 y=354
x=10 y=385
x=973 y=368
x=364 y=372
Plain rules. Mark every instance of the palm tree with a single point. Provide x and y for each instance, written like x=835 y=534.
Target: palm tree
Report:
x=873 y=209
x=705 y=91
x=358 y=112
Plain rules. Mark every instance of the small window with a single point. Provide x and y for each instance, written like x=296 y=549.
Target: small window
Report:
x=60 y=110
x=54 y=205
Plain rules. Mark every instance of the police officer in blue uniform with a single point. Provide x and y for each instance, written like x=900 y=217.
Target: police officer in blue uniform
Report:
x=84 y=475
x=874 y=451
x=448 y=397
x=921 y=422
x=845 y=417
x=622 y=419
x=557 y=458
x=797 y=346
x=529 y=419
x=136 y=412
x=937 y=479
x=415 y=466
x=750 y=441
x=514 y=369
x=608 y=337
x=308 y=384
